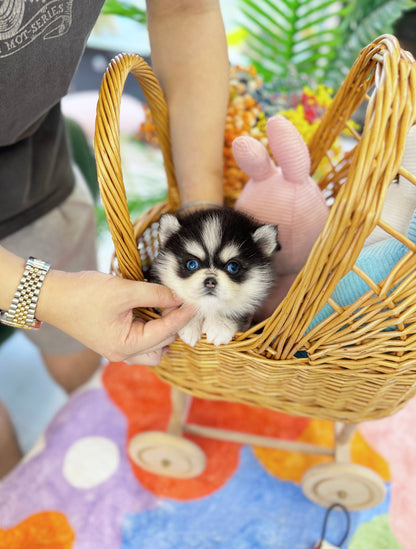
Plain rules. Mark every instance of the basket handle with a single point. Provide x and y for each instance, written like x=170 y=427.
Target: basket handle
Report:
x=107 y=151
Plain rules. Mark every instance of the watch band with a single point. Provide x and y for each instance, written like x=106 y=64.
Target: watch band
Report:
x=21 y=313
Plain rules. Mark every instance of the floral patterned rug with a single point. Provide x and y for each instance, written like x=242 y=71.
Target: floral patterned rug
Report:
x=79 y=488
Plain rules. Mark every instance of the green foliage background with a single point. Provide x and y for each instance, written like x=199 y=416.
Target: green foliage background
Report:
x=294 y=39
x=124 y=9
x=318 y=38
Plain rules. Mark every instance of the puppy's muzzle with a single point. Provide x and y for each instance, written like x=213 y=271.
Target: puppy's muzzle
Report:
x=210 y=284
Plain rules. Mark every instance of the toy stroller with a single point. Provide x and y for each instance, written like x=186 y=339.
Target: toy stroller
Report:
x=356 y=363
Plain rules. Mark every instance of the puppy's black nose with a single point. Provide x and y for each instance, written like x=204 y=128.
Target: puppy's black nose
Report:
x=210 y=282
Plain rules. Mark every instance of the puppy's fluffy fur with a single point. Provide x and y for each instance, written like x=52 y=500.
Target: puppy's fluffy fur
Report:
x=220 y=261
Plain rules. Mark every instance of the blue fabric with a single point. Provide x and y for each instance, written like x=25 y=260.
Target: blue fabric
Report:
x=377 y=260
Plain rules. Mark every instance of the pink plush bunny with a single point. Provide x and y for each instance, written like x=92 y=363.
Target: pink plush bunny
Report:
x=285 y=196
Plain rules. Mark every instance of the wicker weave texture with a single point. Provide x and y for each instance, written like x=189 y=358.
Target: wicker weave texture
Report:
x=360 y=362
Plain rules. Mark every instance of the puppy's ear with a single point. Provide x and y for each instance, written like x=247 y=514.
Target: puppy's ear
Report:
x=168 y=225
x=266 y=237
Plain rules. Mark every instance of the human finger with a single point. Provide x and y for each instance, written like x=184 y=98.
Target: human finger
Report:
x=147 y=294
x=151 y=358
x=152 y=334
x=164 y=344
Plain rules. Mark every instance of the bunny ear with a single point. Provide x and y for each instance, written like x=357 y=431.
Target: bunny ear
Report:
x=289 y=149
x=252 y=157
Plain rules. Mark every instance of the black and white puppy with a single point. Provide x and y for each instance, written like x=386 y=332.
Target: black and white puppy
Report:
x=219 y=260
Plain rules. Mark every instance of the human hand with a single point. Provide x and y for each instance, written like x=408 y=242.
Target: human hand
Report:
x=97 y=309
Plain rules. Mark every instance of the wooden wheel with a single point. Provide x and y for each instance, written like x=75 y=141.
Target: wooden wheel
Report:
x=168 y=455
x=354 y=486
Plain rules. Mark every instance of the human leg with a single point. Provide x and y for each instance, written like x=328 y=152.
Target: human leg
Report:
x=72 y=370
x=65 y=238
x=74 y=234
x=10 y=452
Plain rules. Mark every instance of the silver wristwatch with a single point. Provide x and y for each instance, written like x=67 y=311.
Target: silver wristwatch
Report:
x=21 y=313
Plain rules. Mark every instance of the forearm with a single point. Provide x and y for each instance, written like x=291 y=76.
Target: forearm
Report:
x=57 y=289
x=189 y=57
x=11 y=272
x=97 y=310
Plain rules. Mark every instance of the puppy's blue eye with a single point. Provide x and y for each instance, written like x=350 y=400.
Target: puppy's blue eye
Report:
x=232 y=267
x=192 y=265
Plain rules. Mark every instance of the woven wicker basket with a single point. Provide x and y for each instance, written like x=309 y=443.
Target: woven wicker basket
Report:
x=359 y=363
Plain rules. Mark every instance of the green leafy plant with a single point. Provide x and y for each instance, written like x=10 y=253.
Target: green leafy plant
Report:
x=124 y=9
x=318 y=38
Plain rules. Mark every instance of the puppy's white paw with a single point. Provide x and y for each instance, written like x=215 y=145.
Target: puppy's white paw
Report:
x=219 y=334
x=191 y=333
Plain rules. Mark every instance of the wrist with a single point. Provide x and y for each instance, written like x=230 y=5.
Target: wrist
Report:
x=194 y=205
x=53 y=299
x=198 y=183
x=22 y=310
